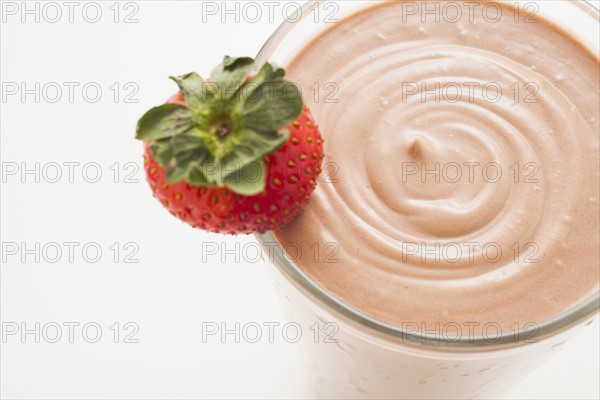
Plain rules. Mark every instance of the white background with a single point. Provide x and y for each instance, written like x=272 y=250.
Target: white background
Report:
x=171 y=291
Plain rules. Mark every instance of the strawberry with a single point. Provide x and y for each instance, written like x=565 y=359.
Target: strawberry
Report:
x=237 y=154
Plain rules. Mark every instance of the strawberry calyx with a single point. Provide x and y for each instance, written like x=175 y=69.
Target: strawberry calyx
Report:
x=226 y=126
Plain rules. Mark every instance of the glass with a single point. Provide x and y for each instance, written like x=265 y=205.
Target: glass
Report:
x=379 y=360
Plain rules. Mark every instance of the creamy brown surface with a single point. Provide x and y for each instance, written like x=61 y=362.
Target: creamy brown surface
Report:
x=391 y=223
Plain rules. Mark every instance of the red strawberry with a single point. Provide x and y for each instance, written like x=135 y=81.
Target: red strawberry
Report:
x=206 y=172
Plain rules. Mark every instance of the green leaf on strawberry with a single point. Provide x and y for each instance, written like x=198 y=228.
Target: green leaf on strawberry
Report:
x=270 y=101
x=221 y=132
x=230 y=75
x=248 y=179
x=164 y=121
x=193 y=88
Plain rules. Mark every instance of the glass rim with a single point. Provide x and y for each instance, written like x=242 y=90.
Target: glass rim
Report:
x=574 y=316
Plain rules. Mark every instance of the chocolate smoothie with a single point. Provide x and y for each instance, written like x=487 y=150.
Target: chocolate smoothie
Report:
x=461 y=179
